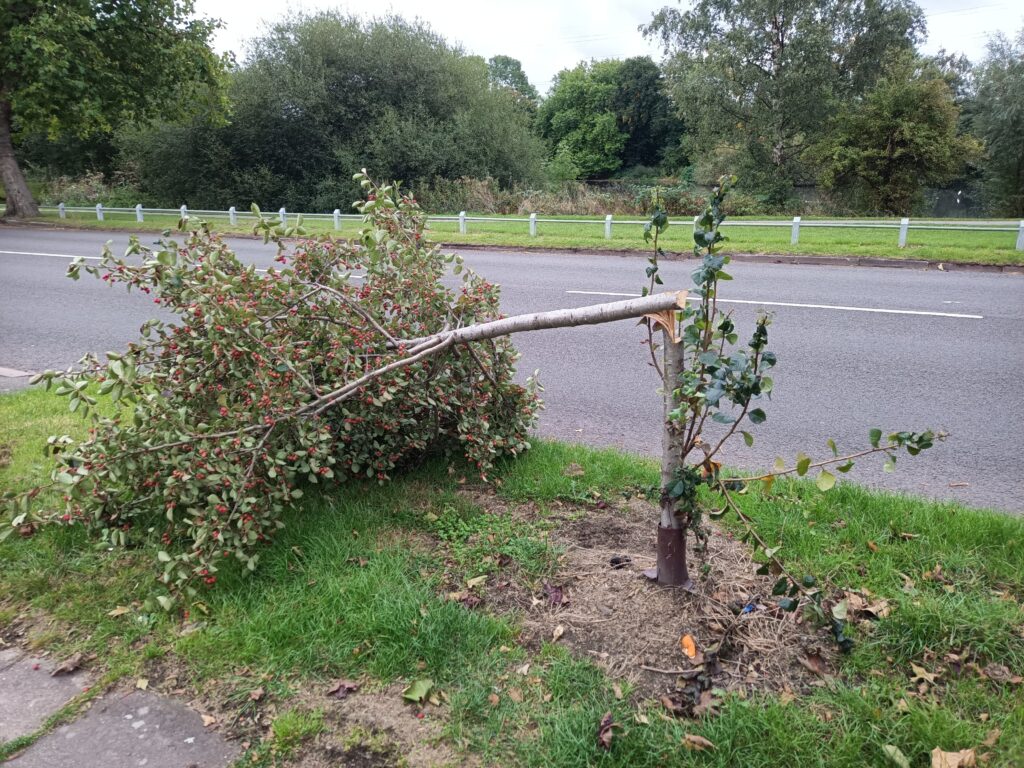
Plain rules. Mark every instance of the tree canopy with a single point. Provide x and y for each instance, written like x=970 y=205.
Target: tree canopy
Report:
x=321 y=94
x=901 y=136
x=506 y=72
x=998 y=119
x=81 y=67
x=608 y=115
x=756 y=80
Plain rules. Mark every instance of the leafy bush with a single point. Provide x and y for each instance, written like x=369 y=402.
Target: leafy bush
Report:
x=270 y=382
x=466 y=194
x=89 y=189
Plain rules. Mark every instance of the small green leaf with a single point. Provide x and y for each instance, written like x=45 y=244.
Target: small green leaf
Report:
x=803 y=463
x=839 y=610
x=875 y=435
x=163 y=557
x=780 y=586
x=826 y=480
x=747 y=438
x=757 y=416
x=895 y=756
x=418 y=691
x=788 y=604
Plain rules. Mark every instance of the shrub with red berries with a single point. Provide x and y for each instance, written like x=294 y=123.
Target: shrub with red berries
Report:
x=330 y=368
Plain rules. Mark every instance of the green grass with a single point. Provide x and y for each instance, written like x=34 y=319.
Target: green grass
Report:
x=931 y=245
x=356 y=587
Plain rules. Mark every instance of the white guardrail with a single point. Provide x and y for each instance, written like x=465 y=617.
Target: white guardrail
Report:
x=904 y=225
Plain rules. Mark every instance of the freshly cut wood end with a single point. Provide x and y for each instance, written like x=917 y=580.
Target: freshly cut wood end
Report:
x=681 y=299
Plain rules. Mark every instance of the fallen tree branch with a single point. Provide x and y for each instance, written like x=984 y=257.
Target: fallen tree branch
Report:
x=593 y=314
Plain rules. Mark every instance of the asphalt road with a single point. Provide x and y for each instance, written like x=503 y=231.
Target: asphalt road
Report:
x=868 y=346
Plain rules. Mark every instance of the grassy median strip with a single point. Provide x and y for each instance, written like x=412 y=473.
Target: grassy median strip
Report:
x=979 y=247
x=381 y=585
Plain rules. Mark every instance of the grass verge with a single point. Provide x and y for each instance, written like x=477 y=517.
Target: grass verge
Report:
x=930 y=245
x=360 y=586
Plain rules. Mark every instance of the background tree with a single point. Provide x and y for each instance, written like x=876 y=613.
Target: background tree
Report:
x=506 y=72
x=756 y=80
x=83 y=67
x=578 y=120
x=608 y=115
x=321 y=94
x=998 y=119
x=883 y=149
x=644 y=113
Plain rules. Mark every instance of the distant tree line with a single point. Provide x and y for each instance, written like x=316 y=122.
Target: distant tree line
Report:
x=831 y=93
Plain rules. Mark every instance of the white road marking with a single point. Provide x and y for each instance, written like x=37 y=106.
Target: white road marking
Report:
x=14 y=373
x=99 y=258
x=57 y=255
x=836 y=307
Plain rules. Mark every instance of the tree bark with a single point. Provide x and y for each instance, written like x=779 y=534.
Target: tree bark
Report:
x=19 y=199
x=561 y=318
x=672 y=570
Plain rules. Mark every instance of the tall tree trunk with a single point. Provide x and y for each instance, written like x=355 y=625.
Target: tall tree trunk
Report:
x=672 y=570
x=19 y=198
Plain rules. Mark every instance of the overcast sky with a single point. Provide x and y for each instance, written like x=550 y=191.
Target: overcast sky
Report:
x=550 y=35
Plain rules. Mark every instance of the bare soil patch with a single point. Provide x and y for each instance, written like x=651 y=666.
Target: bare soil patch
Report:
x=600 y=605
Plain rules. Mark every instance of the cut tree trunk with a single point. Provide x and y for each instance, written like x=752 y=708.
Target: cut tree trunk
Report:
x=19 y=198
x=672 y=570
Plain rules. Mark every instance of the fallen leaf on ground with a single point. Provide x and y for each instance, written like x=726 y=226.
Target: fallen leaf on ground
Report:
x=699 y=743
x=705 y=704
x=965 y=758
x=209 y=720
x=814 y=663
x=574 y=470
x=559 y=631
x=895 y=756
x=142 y=684
x=555 y=594
x=605 y=731
x=523 y=670
x=872 y=546
x=257 y=694
x=1000 y=673
x=516 y=695
x=120 y=610
x=920 y=673
x=689 y=646
x=992 y=738
x=494 y=699
x=69 y=665
x=617 y=690
x=342 y=688
x=418 y=690
x=476 y=582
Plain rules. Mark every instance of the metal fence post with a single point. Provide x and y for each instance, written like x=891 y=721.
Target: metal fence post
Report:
x=794 y=237
x=99 y=211
x=337 y=218
x=183 y=211
x=904 y=226
x=138 y=212
x=61 y=211
x=533 y=225
x=232 y=215
x=284 y=216
x=462 y=222
x=608 y=227
x=1020 y=237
